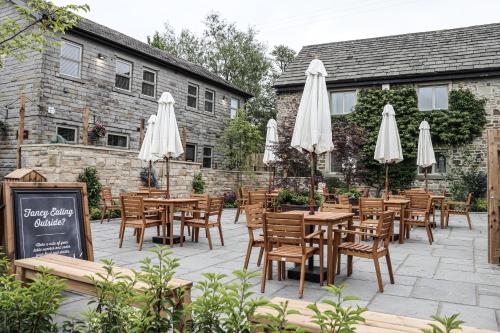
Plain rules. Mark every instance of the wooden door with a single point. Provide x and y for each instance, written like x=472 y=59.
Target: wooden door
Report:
x=494 y=196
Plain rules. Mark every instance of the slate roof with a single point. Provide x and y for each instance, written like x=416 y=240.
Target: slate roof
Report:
x=464 y=50
x=109 y=35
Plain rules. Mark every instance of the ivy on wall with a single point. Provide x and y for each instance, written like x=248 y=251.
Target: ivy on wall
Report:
x=460 y=124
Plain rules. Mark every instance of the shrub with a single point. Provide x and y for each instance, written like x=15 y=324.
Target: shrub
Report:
x=145 y=175
x=198 y=183
x=297 y=198
x=334 y=183
x=480 y=205
x=230 y=199
x=448 y=324
x=94 y=186
x=467 y=178
x=351 y=193
x=95 y=213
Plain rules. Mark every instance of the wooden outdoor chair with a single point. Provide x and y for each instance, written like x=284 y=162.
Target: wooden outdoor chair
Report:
x=285 y=240
x=255 y=221
x=257 y=198
x=330 y=198
x=241 y=202
x=136 y=215
x=378 y=248
x=418 y=214
x=343 y=199
x=369 y=209
x=200 y=218
x=458 y=208
x=107 y=203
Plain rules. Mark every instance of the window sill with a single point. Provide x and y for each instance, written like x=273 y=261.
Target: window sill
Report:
x=189 y=108
x=70 y=78
x=148 y=98
x=431 y=177
x=122 y=91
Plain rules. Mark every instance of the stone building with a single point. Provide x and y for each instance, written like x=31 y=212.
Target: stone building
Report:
x=434 y=62
x=120 y=80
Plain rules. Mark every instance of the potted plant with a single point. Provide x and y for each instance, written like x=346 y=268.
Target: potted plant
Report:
x=98 y=131
x=296 y=200
x=353 y=195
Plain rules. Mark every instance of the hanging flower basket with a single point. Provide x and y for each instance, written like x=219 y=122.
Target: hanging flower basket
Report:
x=98 y=131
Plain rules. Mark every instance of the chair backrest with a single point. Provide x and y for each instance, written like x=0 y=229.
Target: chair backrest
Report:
x=365 y=192
x=132 y=206
x=202 y=204
x=257 y=197
x=343 y=199
x=336 y=208
x=106 y=195
x=419 y=200
x=254 y=215
x=397 y=196
x=383 y=231
x=281 y=228
x=156 y=193
x=369 y=207
x=215 y=205
x=468 y=202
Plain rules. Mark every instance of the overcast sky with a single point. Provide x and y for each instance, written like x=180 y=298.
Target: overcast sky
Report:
x=295 y=22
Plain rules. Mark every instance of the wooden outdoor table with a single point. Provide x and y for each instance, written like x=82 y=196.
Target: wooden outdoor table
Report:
x=401 y=204
x=169 y=205
x=440 y=200
x=327 y=219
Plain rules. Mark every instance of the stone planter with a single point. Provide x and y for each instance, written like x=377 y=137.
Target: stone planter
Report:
x=354 y=201
x=289 y=207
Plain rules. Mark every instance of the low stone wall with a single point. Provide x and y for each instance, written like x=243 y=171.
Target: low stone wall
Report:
x=121 y=169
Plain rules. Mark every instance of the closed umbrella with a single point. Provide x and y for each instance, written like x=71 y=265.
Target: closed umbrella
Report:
x=313 y=128
x=166 y=139
x=388 y=149
x=271 y=141
x=425 y=152
x=145 y=152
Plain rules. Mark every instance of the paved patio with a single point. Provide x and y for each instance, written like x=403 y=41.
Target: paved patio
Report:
x=448 y=277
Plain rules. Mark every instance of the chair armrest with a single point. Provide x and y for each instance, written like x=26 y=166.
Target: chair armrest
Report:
x=353 y=232
x=314 y=234
x=456 y=203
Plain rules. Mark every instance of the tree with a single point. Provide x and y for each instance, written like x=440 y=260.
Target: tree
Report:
x=40 y=22
x=348 y=139
x=240 y=139
x=282 y=56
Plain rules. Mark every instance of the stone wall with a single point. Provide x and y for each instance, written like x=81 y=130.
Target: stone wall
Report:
x=489 y=88
x=120 y=169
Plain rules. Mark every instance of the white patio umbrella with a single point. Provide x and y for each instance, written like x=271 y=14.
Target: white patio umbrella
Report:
x=166 y=139
x=313 y=127
x=425 y=152
x=145 y=151
x=271 y=141
x=388 y=149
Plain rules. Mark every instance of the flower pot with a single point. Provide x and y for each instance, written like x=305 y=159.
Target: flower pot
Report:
x=288 y=207
x=354 y=201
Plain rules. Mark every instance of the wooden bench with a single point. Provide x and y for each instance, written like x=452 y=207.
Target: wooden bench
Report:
x=76 y=273
x=375 y=322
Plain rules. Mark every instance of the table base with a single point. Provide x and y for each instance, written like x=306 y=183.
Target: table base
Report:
x=159 y=239
x=312 y=275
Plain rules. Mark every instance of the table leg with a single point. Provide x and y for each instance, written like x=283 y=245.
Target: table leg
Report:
x=402 y=225
x=331 y=269
x=171 y=226
x=329 y=263
x=441 y=202
x=164 y=224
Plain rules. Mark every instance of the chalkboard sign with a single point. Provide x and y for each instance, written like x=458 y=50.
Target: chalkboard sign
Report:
x=45 y=218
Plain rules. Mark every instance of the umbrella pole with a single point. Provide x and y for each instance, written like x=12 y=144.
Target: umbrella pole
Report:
x=426 y=182
x=149 y=176
x=311 y=190
x=387 y=181
x=270 y=182
x=168 y=176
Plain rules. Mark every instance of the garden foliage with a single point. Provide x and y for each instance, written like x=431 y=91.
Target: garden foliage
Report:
x=198 y=183
x=94 y=186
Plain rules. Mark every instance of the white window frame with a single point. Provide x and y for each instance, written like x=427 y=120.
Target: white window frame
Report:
x=154 y=83
x=433 y=85
x=355 y=91
x=329 y=160
x=195 y=151
x=434 y=166
x=117 y=134
x=231 y=107
x=197 y=96
x=213 y=100
x=131 y=73
x=70 y=128
x=79 y=61
x=211 y=157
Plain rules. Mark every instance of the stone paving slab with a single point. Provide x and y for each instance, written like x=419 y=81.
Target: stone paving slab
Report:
x=450 y=276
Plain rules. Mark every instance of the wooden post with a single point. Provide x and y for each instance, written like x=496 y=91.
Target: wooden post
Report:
x=141 y=133
x=493 y=199
x=85 y=120
x=20 y=131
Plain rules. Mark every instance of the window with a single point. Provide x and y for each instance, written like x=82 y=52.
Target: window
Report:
x=149 y=83
x=70 y=62
x=343 y=102
x=235 y=105
x=207 y=157
x=433 y=98
x=190 y=152
x=117 y=140
x=209 y=100
x=438 y=168
x=123 y=74
x=192 y=97
x=67 y=133
x=335 y=163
